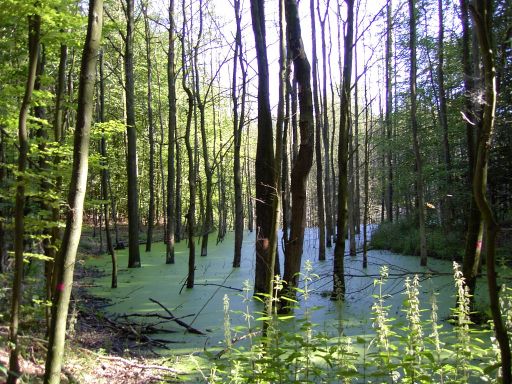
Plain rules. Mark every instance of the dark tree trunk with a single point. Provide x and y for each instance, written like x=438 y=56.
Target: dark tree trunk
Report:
x=171 y=173
x=339 y=249
x=249 y=195
x=273 y=241
x=238 y=123
x=304 y=160
x=34 y=27
x=151 y=134
x=482 y=12
x=389 y=110
x=76 y=196
x=325 y=133
x=264 y=155
x=318 y=139
x=131 y=133
x=475 y=228
x=104 y=177
x=190 y=155
x=414 y=127
x=447 y=209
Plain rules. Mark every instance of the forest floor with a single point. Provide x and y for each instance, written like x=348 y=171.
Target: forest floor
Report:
x=97 y=351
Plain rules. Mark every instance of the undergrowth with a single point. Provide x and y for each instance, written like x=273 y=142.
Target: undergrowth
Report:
x=419 y=349
x=402 y=236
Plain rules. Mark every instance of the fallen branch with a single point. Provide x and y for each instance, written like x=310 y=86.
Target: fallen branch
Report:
x=138 y=365
x=177 y=320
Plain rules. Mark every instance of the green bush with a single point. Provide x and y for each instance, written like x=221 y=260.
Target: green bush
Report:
x=402 y=237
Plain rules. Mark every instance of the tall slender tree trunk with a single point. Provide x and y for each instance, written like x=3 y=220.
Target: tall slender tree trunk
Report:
x=482 y=12
x=447 y=209
x=304 y=160
x=248 y=178
x=208 y=170
x=475 y=228
x=76 y=196
x=325 y=133
x=264 y=155
x=131 y=133
x=104 y=176
x=389 y=111
x=171 y=172
x=414 y=127
x=274 y=234
x=338 y=291
x=285 y=183
x=34 y=27
x=318 y=139
x=238 y=123
x=190 y=155
x=151 y=133
x=351 y=233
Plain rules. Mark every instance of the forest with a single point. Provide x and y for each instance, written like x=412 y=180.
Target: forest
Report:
x=251 y=191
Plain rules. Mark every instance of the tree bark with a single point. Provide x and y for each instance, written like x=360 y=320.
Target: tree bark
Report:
x=414 y=127
x=104 y=177
x=238 y=123
x=474 y=233
x=34 y=27
x=389 y=110
x=151 y=133
x=325 y=133
x=131 y=133
x=304 y=159
x=318 y=139
x=190 y=155
x=338 y=291
x=76 y=196
x=481 y=11
x=447 y=209
x=264 y=155
x=171 y=172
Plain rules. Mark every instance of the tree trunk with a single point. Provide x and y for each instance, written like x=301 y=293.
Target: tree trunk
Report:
x=76 y=196
x=318 y=139
x=447 y=209
x=274 y=234
x=265 y=179
x=208 y=211
x=151 y=133
x=171 y=173
x=482 y=12
x=339 y=250
x=475 y=228
x=34 y=26
x=190 y=155
x=366 y=176
x=325 y=133
x=238 y=123
x=104 y=177
x=304 y=160
x=389 y=110
x=131 y=133
x=414 y=127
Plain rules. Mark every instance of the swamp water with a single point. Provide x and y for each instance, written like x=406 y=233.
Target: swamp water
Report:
x=202 y=306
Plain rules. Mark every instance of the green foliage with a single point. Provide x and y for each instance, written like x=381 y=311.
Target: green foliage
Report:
x=402 y=236
x=416 y=349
